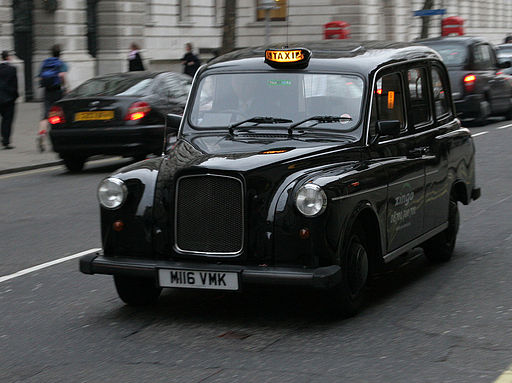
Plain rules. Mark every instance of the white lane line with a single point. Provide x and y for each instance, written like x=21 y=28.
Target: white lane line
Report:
x=506 y=377
x=478 y=134
x=47 y=264
x=504 y=127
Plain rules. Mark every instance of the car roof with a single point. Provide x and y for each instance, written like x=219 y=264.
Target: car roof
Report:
x=136 y=74
x=467 y=40
x=355 y=56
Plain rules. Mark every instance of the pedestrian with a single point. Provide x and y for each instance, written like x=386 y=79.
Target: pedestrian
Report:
x=53 y=78
x=190 y=61
x=8 y=96
x=134 y=58
x=508 y=40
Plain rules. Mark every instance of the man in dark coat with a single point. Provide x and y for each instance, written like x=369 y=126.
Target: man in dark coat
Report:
x=8 y=96
x=190 y=61
x=134 y=59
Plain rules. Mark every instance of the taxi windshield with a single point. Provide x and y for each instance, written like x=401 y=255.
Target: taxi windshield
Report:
x=223 y=100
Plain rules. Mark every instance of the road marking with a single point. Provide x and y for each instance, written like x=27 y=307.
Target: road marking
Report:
x=478 y=134
x=45 y=265
x=506 y=377
x=504 y=127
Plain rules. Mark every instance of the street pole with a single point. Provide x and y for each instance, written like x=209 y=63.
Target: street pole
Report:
x=267 y=6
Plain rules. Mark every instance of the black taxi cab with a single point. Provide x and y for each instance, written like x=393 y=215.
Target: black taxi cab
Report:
x=313 y=165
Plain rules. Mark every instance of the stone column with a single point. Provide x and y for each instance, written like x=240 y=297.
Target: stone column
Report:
x=120 y=22
x=7 y=42
x=65 y=26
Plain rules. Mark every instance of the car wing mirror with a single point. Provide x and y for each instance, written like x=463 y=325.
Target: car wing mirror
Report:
x=387 y=128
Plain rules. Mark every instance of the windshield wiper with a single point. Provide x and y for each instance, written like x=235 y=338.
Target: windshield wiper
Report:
x=258 y=120
x=319 y=120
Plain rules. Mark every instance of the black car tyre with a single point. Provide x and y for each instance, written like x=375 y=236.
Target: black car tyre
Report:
x=73 y=163
x=136 y=291
x=440 y=247
x=349 y=295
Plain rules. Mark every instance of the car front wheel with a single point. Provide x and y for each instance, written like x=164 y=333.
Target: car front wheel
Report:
x=136 y=291
x=348 y=296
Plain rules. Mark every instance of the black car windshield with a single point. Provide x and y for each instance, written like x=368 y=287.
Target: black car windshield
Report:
x=228 y=98
x=452 y=54
x=113 y=86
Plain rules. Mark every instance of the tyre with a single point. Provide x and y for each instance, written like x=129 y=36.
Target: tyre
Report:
x=136 y=291
x=74 y=164
x=440 y=247
x=349 y=295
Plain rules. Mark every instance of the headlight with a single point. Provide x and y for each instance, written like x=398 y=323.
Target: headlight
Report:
x=311 y=200
x=112 y=193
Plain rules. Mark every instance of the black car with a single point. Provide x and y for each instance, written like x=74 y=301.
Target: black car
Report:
x=314 y=166
x=479 y=88
x=116 y=114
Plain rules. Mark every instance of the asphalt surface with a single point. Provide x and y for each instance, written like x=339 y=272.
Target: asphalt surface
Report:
x=423 y=323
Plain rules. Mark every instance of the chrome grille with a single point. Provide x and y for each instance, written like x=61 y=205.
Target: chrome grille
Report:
x=209 y=214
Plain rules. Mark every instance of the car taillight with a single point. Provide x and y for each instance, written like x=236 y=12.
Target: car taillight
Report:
x=469 y=82
x=137 y=110
x=56 y=115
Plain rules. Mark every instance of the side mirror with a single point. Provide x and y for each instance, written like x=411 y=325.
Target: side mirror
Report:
x=388 y=128
x=173 y=122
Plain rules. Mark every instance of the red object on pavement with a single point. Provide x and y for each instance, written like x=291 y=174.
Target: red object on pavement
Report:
x=453 y=25
x=336 y=30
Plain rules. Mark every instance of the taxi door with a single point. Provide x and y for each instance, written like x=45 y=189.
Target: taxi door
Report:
x=401 y=165
x=433 y=131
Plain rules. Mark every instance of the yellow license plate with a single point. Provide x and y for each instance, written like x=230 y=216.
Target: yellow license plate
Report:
x=97 y=115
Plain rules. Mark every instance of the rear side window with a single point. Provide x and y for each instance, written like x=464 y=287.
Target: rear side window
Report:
x=418 y=96
x=388 y=101
x=452 y=54
x=482 y=57
x=441 y=101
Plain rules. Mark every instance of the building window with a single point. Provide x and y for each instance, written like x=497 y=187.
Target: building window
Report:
x=279 y=13
x=183 y=10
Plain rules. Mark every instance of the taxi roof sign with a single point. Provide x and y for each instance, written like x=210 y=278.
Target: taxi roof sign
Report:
x=291 y=58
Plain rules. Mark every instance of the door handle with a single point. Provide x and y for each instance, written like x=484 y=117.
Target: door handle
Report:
x=418 y=152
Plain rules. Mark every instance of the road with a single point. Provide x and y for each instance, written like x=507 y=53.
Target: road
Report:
x=423 y=323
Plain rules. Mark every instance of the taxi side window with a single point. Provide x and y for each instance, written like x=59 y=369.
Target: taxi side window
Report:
x=388 y=101
x=418 y=96
x=441 y=102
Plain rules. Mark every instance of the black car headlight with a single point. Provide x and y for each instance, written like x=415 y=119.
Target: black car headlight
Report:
x=311 y=200
x=112 y=193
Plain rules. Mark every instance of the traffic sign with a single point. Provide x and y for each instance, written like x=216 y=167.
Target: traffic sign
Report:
x=430 y=12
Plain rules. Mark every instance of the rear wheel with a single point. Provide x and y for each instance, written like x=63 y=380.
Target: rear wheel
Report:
x=136 y=291
x=73 y=163
x=440 y=248
x=483 y=113
x=349 y=295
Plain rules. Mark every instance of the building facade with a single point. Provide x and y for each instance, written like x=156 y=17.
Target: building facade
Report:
x=95 y=35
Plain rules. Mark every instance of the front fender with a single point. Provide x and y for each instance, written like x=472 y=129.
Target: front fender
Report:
x=136 y=214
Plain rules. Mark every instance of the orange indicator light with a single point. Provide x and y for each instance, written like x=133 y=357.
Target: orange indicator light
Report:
x=304 y=233
x=118 y=225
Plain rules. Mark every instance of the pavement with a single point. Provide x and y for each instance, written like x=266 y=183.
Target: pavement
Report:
x=26 y=154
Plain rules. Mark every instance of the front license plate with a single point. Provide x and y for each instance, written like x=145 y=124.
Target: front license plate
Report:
x=93 y=116
x=194 y=279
